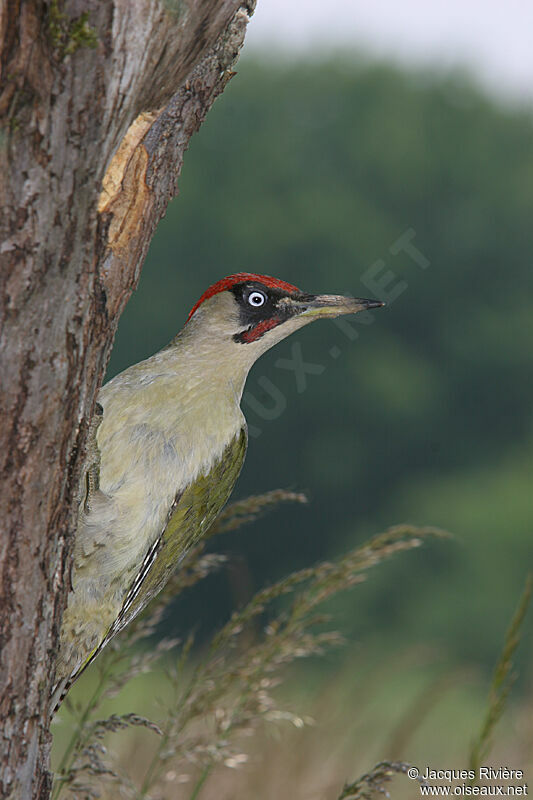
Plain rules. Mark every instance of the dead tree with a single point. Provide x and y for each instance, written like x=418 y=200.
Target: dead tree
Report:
x=98 y=101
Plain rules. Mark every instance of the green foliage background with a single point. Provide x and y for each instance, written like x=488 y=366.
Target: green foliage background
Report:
x=311 y=172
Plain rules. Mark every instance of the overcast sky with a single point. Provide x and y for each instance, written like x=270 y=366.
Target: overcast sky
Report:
x=492 y=37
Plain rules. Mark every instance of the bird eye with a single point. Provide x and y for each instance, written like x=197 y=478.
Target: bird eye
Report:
x=256 y=299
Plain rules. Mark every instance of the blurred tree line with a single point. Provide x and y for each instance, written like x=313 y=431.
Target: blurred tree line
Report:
x=343 y=176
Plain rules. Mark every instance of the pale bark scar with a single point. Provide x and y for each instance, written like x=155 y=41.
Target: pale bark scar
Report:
x=125 y=193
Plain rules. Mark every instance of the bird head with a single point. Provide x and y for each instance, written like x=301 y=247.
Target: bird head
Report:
x=245 y=314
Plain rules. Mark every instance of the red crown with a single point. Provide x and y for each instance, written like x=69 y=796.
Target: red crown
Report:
x=240 y=277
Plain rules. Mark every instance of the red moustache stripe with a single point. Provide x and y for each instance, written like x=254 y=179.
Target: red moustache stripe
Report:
x=255 y=333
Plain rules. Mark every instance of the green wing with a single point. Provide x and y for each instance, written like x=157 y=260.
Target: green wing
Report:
x=191 y=514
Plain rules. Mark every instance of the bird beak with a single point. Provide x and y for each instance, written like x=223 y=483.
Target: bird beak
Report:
x=331 y=305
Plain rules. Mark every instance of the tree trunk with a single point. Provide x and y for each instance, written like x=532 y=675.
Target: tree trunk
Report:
x=98 y=100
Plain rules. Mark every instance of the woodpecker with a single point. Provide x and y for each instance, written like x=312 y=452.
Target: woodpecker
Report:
x=165 y=451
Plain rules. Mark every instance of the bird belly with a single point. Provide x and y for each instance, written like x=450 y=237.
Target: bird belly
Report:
x=139 y=526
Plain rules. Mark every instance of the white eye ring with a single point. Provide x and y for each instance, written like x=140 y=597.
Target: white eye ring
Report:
x=256 y=299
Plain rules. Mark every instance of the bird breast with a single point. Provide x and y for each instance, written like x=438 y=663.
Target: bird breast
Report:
x=154 y=443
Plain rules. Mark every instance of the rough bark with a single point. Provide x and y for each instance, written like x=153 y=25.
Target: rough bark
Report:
x=98 y=100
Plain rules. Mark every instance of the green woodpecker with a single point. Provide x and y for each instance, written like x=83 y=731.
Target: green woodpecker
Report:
x=167 y=448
